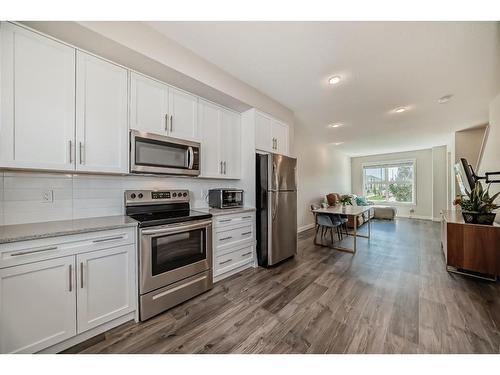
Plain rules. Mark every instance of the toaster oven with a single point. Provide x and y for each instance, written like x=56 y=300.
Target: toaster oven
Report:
x=225 y=198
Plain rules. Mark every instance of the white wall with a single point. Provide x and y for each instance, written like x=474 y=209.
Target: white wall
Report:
x=321 y=169
x=439 y=181
x=491 y=155
x=424 y=190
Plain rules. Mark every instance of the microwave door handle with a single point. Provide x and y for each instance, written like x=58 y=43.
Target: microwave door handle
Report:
x=190 y=157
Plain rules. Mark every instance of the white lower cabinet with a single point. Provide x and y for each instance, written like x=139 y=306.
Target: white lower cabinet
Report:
x=38 y=305
x=234 y=244
x=105 y=286
x=53 y=290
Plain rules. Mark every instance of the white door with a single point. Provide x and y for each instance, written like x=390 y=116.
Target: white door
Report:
x=148 y=105
x=38 y=305
x=37 y=101
x=231 y=144
x=106 y=285
x=101 y=115
x=210 y=129
x=280 y=136
x=183 y=111
x=263 y=137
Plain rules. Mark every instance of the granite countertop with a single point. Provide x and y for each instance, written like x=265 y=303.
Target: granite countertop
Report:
x=33 y=231
x=224 y=211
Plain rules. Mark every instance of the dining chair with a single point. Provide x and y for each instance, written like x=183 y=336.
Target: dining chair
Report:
x=326 y=222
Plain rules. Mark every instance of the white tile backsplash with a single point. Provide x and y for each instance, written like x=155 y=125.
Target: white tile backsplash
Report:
x=82 y=196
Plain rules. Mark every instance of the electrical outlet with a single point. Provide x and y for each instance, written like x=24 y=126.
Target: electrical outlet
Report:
x=48 y=196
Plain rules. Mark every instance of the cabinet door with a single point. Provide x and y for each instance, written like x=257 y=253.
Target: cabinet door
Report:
x=101 y=115
x=263 y=137
x=148 y=105
x=106 y=285
x=38 y=305
x=38 y=106
x=231 y=144
x=183 y=110
x=210 y=129
x=280 y=136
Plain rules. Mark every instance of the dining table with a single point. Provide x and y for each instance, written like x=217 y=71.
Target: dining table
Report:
x=346 y=211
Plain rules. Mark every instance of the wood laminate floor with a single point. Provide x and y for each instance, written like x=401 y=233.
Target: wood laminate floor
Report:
x=393 y=296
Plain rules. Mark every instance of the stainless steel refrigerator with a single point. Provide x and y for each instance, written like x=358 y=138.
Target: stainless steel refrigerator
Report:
x=276 y=203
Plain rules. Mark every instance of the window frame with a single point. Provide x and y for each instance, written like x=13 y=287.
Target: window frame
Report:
x=391 y=163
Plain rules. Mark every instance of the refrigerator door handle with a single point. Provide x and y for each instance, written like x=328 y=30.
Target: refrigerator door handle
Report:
x=275 y=206
x=275 y=176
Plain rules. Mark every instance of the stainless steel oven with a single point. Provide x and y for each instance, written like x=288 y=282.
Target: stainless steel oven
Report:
x=175 y=249
x=158 y=154
x=173 y=252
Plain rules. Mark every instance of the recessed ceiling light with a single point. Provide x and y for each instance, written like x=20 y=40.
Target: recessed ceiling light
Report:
x=335 y=125
x=334 y=80
x=337 y=143
x=400 y=109
x=445 y=99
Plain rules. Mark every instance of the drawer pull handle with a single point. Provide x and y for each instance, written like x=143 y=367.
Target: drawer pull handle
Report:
x=108 y=239
x=226 y=261
x=225 y=220
x=244 y=255
x=33 y=251
x=226 y=238
x=244 y=234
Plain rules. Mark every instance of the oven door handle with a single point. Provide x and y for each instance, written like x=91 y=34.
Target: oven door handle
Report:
x=176 y=228
x=190 y=157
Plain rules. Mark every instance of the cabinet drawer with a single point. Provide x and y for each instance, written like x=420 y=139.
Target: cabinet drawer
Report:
x=233 y=259
x=23 y=252
x=233 y=236
x=225 y=220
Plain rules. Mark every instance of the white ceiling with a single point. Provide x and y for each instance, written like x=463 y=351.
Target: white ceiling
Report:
x=383 y=64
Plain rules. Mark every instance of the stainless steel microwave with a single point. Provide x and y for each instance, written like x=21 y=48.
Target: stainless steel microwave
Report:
x=225 y=198
x=158 y=154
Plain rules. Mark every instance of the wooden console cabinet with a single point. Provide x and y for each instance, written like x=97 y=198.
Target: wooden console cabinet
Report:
x=470 y=248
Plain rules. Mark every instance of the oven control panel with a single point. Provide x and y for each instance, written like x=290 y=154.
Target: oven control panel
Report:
x=136 y=197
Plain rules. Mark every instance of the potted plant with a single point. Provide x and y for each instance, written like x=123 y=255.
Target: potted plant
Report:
x=477 y=205
x=345 y=199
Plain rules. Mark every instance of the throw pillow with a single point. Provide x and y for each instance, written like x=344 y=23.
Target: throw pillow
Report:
x=332 y=199
x=361 y=201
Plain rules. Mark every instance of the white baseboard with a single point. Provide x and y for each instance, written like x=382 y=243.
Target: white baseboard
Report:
x=419 y=217
x=305 y=227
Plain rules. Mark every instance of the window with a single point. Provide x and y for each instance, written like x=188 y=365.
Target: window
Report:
x=390 y=182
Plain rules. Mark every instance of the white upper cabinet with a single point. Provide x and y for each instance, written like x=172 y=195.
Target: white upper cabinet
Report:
x=161 y=109
x=183 y=111
x=38 y=305
x=37 y=101
x=101 y=115
x=221 y=141
x=211 y=155
x=271 y=135
x=148 y=104
x=263 y=125
x=231 y=144
x=105 y=282
x=279 y=135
